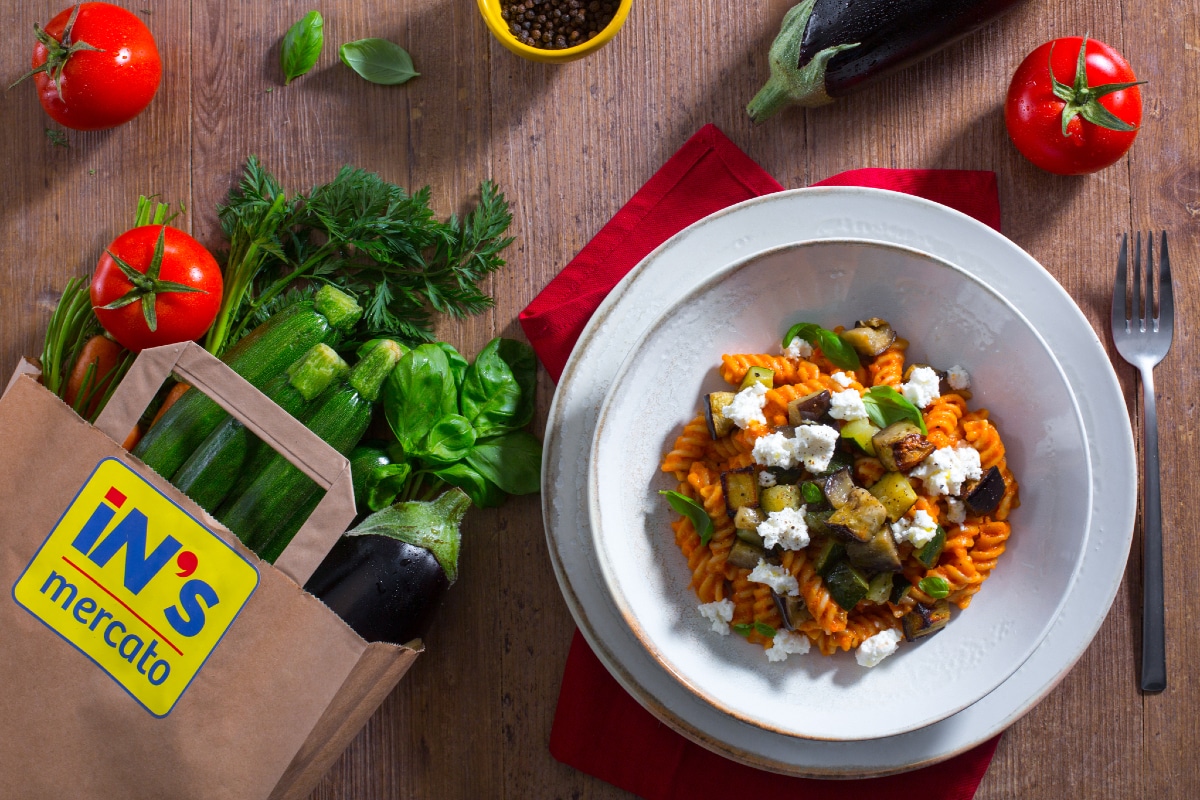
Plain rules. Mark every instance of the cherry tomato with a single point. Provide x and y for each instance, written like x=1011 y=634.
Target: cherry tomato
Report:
x=95 y=66
x=145 y=298
x=1073 y=106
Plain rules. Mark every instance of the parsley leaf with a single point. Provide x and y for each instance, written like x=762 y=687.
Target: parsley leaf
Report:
x=835 y=349
x=693 y=511
x=885 y=405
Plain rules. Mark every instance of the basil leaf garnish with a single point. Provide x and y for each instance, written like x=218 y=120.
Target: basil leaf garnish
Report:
x=885 y=405
x=378 y=61
x=837 y=351
x=811 y=493
x=302 y=46
x=934 y=586
x=761 y=628
x=764 y=630
x=693 y=511
x=741 y=629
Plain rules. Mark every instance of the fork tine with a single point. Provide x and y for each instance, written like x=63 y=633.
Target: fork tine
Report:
x=1166 y=288
x=1121 y=288
x=1137 y=319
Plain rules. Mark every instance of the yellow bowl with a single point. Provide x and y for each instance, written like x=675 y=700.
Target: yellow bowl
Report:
x=490 y=9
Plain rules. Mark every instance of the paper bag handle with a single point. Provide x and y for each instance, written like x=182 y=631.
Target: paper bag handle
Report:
x=278 y=429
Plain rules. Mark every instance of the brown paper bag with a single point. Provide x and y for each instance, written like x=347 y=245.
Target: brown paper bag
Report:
x=144 y=652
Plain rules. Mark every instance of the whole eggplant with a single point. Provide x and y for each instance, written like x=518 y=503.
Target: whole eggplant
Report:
x=828 y=48
x=386 y=577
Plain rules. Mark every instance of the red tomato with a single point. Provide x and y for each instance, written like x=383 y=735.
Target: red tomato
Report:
x=95 y=66
x=1070 y=116
x=144 y=301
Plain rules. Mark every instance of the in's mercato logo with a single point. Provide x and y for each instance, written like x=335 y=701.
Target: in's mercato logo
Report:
x=137 y=584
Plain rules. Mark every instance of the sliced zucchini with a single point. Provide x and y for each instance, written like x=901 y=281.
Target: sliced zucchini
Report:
x=816 y=522
x=900 y=589
x=745 y=555
x=847 y=585
x=926 y=620
x=900 y=446
x=880 y=587
x=741 y=489
x=747 y=519
x=877 y=555
x=826 y=554
x=838 y=487
x=858 y=519
x=982 y=496
x=870 y=337
x=750 y=536
x=896 y=494
x=779 y=497
x=861 y=431
x=763 y=375
x=714 y=406
x=932 y=551
x=809 y=408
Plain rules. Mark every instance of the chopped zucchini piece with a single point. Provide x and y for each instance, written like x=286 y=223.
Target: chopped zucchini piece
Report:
x=714 y=407
x=816 y=522
x=900 y=446
x=763 y=375
x=838 y=487
x=847 y=585
x=747 y=519
x=741 y=489
x=880 y=588
x=932 y=551
x=809 y=408
x=900 y=589
x=858 y=519
x=896 y=494
x=779 y=497
x=860 y=432
x=879 y=554
x=750 y=536
x=870 y=337
x=826 y=554
x=925 y=620
x=745 y=555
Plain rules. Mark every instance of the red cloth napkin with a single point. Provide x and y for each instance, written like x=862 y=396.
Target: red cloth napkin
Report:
x=598 y=727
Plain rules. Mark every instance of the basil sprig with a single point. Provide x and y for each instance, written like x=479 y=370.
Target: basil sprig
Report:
x=302 y=46
x=763 y=629
x=885 y=405
x=837 y=351
x=693 y=511
x=378 y=61
x=934 y=586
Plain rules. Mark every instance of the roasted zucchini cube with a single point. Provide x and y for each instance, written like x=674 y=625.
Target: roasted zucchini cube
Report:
x=825 y=554
x=747 y=519
x=816 y=522
x=896 y=494
x=745 y=555
x=779 y=497
x=877 y=555
x=858 y=519
x=763 y=375
x=900 y=446
x=847 y=585
x=809 y=408
x=741 y=489
x=880 y=587
x=900 y=589
x=714 y=405
x=926 y=620
x=861 y=431
x=932 y=551
x=870 y=337
x=982 y=496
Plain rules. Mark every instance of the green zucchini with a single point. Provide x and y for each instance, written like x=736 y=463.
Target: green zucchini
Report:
x=268 y=514
x=827 y=554
x=846 y=585
x=264 y=353
x=212 y=470
x=932 y=551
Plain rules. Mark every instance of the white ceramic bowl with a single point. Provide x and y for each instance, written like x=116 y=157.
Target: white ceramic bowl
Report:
x=950 y=318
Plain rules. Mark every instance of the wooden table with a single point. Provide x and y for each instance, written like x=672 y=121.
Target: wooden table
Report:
x=570 y=144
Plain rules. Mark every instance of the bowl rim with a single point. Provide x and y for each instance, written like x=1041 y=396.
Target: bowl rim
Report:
x=606 y=569
x=490 y=11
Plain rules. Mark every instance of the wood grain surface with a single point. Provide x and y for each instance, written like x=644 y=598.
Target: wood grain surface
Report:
x=569 y=145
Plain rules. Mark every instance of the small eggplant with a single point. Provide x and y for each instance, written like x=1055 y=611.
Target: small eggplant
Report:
x=386 y=577
x=827 y=48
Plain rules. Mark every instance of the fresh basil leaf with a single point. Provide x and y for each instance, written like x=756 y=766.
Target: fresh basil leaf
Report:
x=934 y=586
x=693 y=511
x=458 y=363
x=378 y=61
x=742 y=628
x=811 y=493
x=523 y=362
x=835 y=349
x=764 y=630
x=885 y=405
x=417 y=393
x=512 y=461
x=449 y=440
x=491 y=395
x=302 y=46
x=483 y=493
x=383 y=483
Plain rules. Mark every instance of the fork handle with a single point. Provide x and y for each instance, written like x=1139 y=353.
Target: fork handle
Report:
x=1154 y=656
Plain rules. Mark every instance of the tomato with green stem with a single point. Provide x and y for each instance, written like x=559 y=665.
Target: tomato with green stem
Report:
x=156 y=285
x=1073 y=106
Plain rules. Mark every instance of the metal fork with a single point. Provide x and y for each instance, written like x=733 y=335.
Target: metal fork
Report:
x=1142 y=332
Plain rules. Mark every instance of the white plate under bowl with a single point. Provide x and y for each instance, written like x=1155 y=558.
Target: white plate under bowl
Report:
x=688 y=260
x=949 y=318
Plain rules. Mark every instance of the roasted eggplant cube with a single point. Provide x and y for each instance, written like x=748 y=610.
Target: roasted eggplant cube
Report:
x=714 y=407
x=900 y=446
x=747 y=519
x=779 y=497
x=925 y=620
x=929 y=554
x=880 y=587
x=745 y=555
x=763 y=375
x=741 y=489
x=792 y=609
x=847 y=585
x=877 y=555
x=896 y=494
x=838 y=487
x=870 y=337
x=809 y=408
x=982 y=496
x=859 y=518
